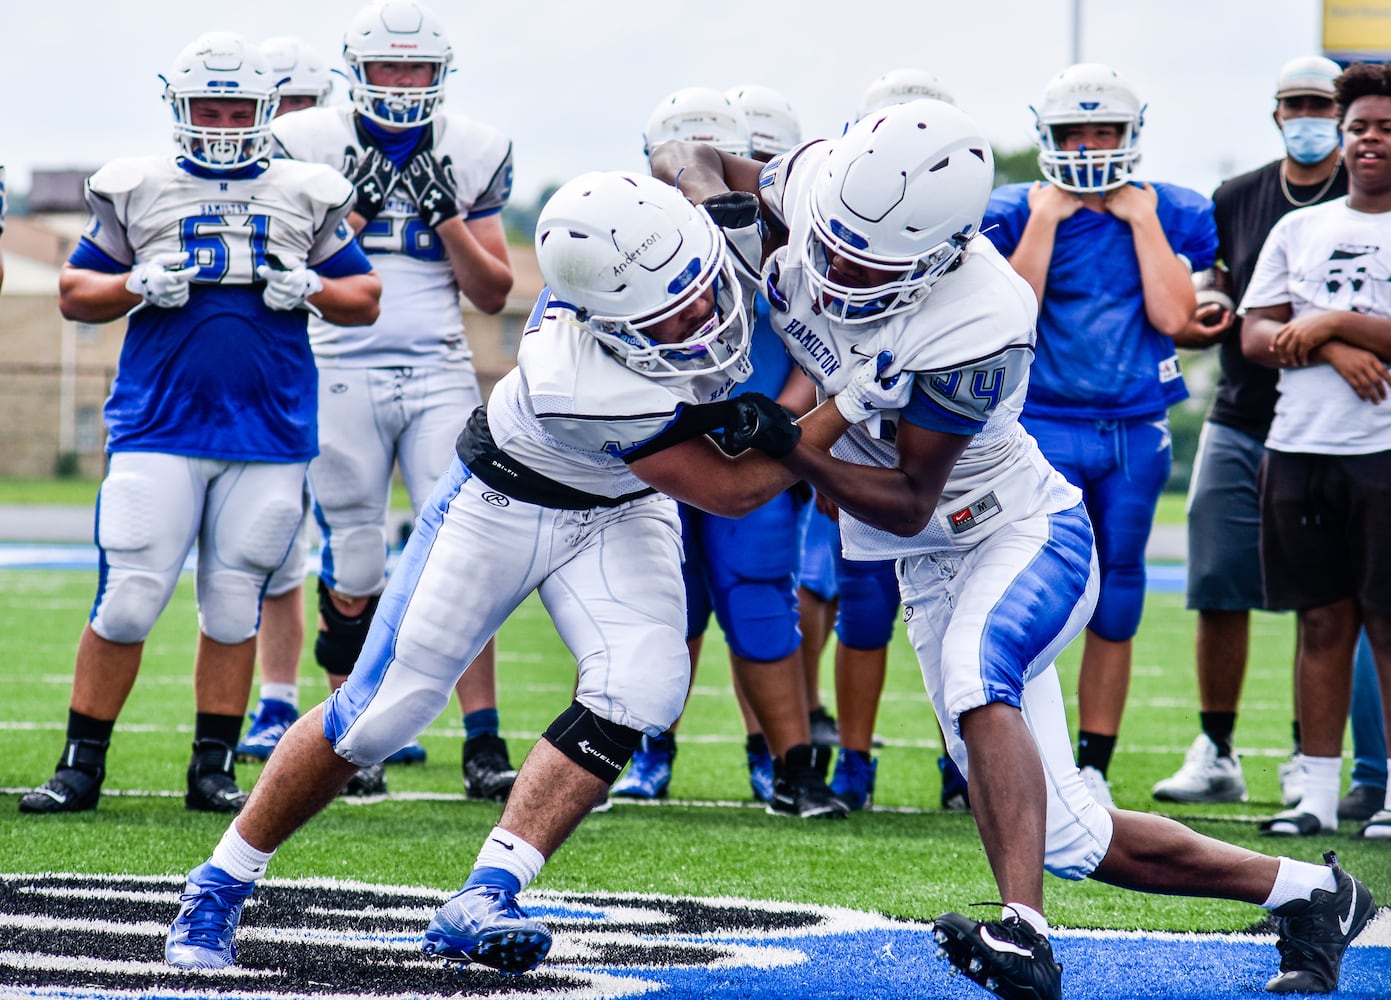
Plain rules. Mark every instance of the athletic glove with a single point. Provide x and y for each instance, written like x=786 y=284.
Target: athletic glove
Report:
x=736 y=213
x=373 y=176
x=288 y=289
x=431 y=185
x=870 y=391
x=160 y=281
x=759 y=422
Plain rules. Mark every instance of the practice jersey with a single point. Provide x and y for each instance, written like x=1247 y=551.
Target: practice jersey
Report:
x=967 y=345
x=1246 y=207
x=223 y=376
x=572 y=411
x=420 y=321
x=1098 y=355
x=1320 y=259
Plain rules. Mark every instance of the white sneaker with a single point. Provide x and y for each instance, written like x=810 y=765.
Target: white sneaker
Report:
x=1292 y=780
x=1097 y=787
x=1204 y=777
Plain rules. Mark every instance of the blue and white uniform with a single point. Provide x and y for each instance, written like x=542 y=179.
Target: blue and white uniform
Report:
x=539 y=498
x=1104 y=377
x=1003 y=576
x=212 y=416
x=398 y=390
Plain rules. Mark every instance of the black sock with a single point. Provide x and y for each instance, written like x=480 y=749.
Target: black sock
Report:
x=1218 y=726
x=84 y=727
x=1298 y=744
x=756 y=744
x=1094 y=750
x=225 y=729
x=85 y=749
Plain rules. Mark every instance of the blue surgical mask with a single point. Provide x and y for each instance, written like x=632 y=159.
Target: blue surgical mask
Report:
x=1309 y=140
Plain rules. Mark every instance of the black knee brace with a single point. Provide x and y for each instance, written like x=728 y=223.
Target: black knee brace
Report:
x=340 y=637
x=601 y=747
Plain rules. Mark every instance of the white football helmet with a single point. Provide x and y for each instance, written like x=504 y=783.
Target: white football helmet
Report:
x=698 y=114
x=1088 y=93
x=899 y=86
x=222 y=65
x=396 y=31
x=298 y=69
x=902 y=191
x=773 y=125
x=626 y=251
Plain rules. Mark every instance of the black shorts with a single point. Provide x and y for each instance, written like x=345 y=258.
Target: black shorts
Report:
x=1326 y=530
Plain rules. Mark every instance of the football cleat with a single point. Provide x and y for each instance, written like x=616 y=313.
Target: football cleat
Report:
x=649 y=772
x=806 y=798
x=853 y=780
x=488 y=773
x=1204 y=777
x=761 y=774
x=1361 y=802
x=269 y=722
x=411 y=753
x=212 y=781
x=209 y=910
x=484 y=924
x=824 y=731
x=1007 y=957
x=76 y=782
x=1315 y=932
x=368 y=781
x=1098 y=787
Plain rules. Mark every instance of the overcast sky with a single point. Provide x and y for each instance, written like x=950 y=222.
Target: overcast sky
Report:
x=572 y=82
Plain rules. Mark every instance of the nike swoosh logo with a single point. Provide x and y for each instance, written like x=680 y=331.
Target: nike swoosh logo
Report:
x=1003 y=947
x=1344 y=924
x=57 y=797
x=505 y=845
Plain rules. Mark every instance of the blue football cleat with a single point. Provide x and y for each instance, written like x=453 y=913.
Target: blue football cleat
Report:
x=411 y=753
x=649 y=773
x=484 y=924
x=853 y=780
x=268 y=723
x=761 y=774
x=209 y=910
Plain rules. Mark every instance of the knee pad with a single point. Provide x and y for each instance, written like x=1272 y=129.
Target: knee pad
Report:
x=601 y=747
x=1120 y=605
x=128 y=605
x=868 y=603
x=229 y=606
x=340 y=637
x=759 y=618
x=354 y=559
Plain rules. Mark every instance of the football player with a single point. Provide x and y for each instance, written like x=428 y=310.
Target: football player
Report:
x=627 y=361
x=217 y=255
x=996 y=565
x=430 y=188
x=305 y=79
x=745 y=570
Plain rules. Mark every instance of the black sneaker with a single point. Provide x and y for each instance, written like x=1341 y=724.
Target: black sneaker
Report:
x=1361 y=803
x=76 y=782
x=488 y=773
x=799 y=788
x=212 y=781
x=368 y=781
x=1315 y=932
x=1008 y=957
x=824 y=730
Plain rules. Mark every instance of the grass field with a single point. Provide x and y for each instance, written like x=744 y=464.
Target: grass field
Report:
x=905 y=859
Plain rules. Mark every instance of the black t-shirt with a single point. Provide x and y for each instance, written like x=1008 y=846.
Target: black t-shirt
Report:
x=1247 y=208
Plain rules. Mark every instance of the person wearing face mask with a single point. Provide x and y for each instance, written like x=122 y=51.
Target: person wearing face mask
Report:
x=1224 y=581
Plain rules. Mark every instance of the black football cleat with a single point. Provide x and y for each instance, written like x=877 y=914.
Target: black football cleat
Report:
x=1007 y=957
x=1315 y=932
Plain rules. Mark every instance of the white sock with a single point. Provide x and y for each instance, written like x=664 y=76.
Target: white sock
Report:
x=1029 y=915
x=1298 y=880
x=1321 y=778
x=504 y=849
x=238 y=858
x=281 y=692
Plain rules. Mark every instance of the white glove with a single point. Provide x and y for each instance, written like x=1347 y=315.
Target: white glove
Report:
x=290 y=289
x=870 y=390
x=161 y=282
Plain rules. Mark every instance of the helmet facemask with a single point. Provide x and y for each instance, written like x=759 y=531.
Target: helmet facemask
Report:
x=1089 y=171
x=398 y=107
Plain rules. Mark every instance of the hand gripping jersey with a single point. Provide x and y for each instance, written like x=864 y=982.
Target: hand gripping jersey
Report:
x=571 y=411
x=223 y=376
x=420 y=322
x=968 y=346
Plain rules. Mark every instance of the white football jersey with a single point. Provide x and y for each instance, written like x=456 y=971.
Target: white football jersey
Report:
x=570 y=409
x=420 y=322
x=292 y=212
x=968 y=345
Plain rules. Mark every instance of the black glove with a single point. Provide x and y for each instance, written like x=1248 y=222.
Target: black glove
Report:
x=761 y=423
x=373 y=176
x=732 y=209
x=431 y=185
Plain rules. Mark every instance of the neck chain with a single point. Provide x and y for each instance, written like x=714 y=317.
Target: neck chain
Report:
x=1285 y=186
